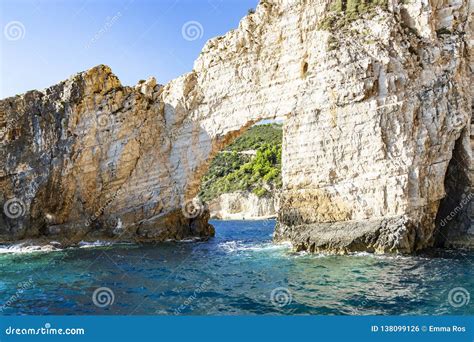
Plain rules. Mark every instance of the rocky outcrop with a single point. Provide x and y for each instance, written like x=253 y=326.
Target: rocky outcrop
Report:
x=243 y=205
x=385 y=137
x=375 y=113
x=90 y=159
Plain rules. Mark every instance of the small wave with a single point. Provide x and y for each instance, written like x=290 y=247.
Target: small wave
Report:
x=384 y=256
x=238 y=246
x=194 y=239
x=307 y=254
x=89 y=244
x=24 y=248
x=53 y=246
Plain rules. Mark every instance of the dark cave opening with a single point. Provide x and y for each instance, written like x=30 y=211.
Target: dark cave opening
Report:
x=452 y=220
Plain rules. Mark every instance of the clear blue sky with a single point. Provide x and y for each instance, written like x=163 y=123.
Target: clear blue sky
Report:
x=44 y=42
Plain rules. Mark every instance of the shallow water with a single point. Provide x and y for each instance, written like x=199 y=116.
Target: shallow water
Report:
x=238 y=272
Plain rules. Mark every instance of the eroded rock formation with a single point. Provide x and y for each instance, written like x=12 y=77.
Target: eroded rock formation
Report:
x=243 y=205
x=374 y=111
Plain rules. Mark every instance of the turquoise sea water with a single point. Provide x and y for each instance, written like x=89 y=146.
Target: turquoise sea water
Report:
x=238 y=272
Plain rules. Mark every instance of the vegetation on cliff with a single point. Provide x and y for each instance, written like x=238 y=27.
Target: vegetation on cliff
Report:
x=251 y=163
x=343 y=12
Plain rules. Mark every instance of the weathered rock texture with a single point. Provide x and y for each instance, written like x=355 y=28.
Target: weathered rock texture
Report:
x=373 y=114
x=243 y=205
x=90 y=159
x=393 y=99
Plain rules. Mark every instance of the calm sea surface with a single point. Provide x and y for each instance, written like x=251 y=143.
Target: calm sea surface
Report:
x=238 y=272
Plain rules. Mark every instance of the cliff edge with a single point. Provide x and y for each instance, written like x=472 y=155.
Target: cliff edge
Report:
x=376 y=148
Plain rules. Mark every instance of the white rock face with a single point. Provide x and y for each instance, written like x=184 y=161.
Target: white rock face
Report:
x=243 y=205
x=373 y=113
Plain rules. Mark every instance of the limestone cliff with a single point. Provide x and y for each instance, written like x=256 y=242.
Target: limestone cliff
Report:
x=243 y=205
x=376 y=110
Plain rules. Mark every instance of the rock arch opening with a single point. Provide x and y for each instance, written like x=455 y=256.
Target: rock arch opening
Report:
x=244 y=179
x=364 y=151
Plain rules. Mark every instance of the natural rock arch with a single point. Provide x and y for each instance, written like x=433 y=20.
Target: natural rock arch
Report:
x=370 y=129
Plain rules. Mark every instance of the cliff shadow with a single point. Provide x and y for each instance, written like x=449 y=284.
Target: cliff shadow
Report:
x=453 y=220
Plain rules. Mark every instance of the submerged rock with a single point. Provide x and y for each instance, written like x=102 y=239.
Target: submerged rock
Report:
x=373 y=112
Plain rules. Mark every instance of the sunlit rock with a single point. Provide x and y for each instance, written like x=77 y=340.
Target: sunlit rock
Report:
x=373 y=112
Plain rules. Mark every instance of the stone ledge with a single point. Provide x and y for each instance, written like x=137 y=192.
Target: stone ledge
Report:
x=384 y=235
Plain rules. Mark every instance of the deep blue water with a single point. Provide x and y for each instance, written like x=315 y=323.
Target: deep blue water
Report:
x=237 y=272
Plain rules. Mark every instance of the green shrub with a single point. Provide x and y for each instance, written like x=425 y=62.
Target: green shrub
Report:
x=332 y=43
x=231 y=171
x=260 y=192
x=343 y=12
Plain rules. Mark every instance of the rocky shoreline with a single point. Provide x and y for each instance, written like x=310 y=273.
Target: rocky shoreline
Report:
x=377 y=134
